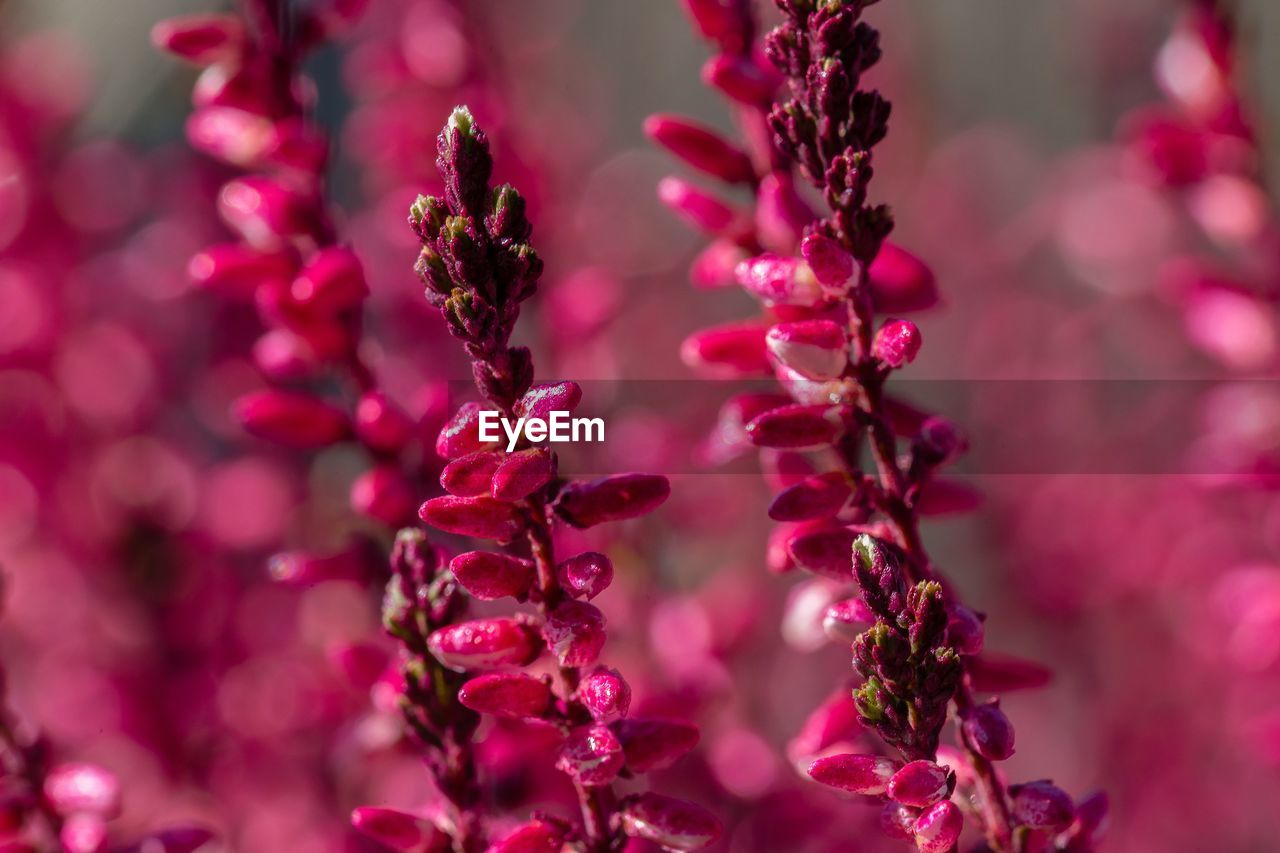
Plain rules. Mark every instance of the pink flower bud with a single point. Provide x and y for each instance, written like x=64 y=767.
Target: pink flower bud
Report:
x=729 y=351
x=670 y=823
x=827 y=552
x=574 y=632
x=300 y=567
x=900 y=282
x=990 y=673
x=461 y=435
x=236 y=270
x=481 y=517
x=700 y=147
x=83 y=788
x=989 y=731
x=858 y=774
x=1091 y=817
x=832 y=266
x=715 y=20
x=818 y=497
x=514 y=695
x=400 y=831
x=939 y=441
x=898 y=821
x=844 y=620
x=536 y=836
x=83 y=833
x=489 y=576
x=834 y=721
x=897 y=343
x=815 y=349
x=946 y=496
x=622 y=496
x=292 y=419
x=264 y=212
x=592 y=755
x=541 y=400
x=283 y=356
x=523 y=473
x=331 y=282
x=1041 y=804
x=295 y=144
x=202 y=39
x=383 y=494
x=471 y=475
x=483 y=644
x=938 y=827
x=796 y=427
x=714 y=265
x=747 y=81
x=776 y=280
x=652 y=744
x=381 y=425
x=605 y=694
x=920 y=784
x=781 y=213
x=698 y=207
x=964 y=630
x=585 y=575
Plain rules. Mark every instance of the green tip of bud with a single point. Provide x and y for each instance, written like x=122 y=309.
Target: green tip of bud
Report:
x=866 y=550
x=461 y=119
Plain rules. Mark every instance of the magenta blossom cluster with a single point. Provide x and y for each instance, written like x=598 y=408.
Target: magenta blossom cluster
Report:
x=478 y=267
x=915 y=646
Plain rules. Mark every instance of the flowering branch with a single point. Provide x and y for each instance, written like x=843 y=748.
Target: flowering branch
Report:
x=479 y=267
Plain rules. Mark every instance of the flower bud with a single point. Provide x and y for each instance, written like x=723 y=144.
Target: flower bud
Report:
x=541 y=400
x=715 y=20
x=605 y=694
x=746 y=80
x=523 y=473
x=714 y=265
x=733 y=350
x=815 y=349
x=383 y=494
x=236 y=270
x=939 y=441
x=898 y=821
x=858 y=774
x=920 y=784
x=897 y=343
x=989 y=731
x=811 y=499
x=489 y=576
x=483 y=644
x=796 y=427
x=461 y=435
x=938 y=828
x=1041 y=804
x=202 y=39
x=592 y=755
x=536 y=836
x=332 y=282
x=831 y=265
x=265 y=212
x=400 y=831
x=83 y=788
x=481 y=517
x=380 y=424
x=776 y=280
x=844 y=620
x=700 y=147
x=471 y=475
x=574 y=632
x=292 y=419
x=652 y=744
x=585 y=575
x=824 y=552
x=964 y=630
x=615 y=498
x=514 y=695
x=900 y=282
x=668 y=822
x=699 y=208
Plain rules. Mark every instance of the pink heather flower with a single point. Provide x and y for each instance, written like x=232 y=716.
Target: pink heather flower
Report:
x=814 y=498
x=898 y=821
x=292 y=419
x=824 y=551
x=605 y=694
x=536 y=836
x=736 y=349
x=574 y=633
x=746 y=79
x=700 y=147
x=858 y=774
x=652 y=744
x=938 y=828
x=699 y=208
x=381 y=425
x=541 y=400
x=471 y=475
x=331 y=282
x=383 y=494
x=832 y=266
x=83 y=788
x=844 y=620
x=1041 y=804
x=777 y=280
x=461 y=435
x=815 y=349
x=514 y=695
x=585 y=575
x=266 y=213
x=236 y=270
x=483 y=644
x=671 y=823
x=835 y=721
x=489 y=576
x=897 y=343
x=523 y=473
x=796 y=427
x=714 y=266
x=592 y=755
x=400 y=831
x=989 y=730
x=920 y=784
x=616 y=498
x=480 y=517
x=901 y=282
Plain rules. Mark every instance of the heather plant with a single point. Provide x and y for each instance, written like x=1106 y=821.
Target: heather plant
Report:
x=853 y=512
